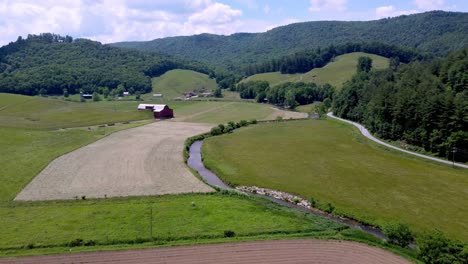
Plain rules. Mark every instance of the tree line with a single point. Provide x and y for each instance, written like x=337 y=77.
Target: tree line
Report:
x=287 y=94
x=422 y=103
x=50 y=64
x=310 y=59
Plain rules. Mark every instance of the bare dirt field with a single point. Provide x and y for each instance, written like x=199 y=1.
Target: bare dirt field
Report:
x=145 y=160
x=285 y=251
x=285 y=114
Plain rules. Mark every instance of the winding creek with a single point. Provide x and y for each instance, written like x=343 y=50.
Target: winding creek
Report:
x=195 y=162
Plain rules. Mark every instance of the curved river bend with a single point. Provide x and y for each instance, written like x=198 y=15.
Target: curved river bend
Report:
x=195 y=162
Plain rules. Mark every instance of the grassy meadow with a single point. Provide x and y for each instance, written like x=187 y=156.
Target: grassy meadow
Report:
x=174 y=83
x=48 y=227
x=182 y=217
x=334 y=73
x=332 y=162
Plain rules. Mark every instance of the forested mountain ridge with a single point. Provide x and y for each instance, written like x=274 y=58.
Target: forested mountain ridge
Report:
x=52 y=63
x=437 y=32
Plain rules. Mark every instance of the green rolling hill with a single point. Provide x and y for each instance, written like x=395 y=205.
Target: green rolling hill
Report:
x=335 y=73
x=176 y=82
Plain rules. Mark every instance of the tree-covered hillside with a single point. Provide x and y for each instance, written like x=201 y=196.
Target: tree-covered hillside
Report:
x=50 y=63
x=422 y=103
x=436 y=32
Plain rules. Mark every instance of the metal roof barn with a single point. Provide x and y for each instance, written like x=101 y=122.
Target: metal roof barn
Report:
x=160 y=111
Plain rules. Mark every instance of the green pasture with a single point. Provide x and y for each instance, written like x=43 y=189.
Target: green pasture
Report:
x=44 y=113
x=341 y=69
x=114 y=221
x=332 y=162
x=174 y=83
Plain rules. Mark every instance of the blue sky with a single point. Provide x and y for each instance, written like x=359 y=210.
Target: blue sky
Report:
x=123 y=20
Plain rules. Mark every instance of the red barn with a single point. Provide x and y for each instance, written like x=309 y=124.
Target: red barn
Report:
x=160 y=111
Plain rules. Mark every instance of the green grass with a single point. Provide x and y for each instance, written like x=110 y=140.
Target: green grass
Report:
x=43 y=113
x=308 y=108
x=334 y=73
x=174 y=83
x=121 y=221
x=331 y=161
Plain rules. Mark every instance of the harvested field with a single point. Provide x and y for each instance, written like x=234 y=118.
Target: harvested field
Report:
x=286 y=251
x=142 y=161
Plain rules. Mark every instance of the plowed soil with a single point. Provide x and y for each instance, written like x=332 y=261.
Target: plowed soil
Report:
x=286 y=251
x=145 y=160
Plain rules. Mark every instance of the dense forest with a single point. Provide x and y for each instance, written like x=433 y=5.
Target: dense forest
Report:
x=307 y=60
x=437 y=32
x=50 y=63
x=422 y=103
x=287 y=94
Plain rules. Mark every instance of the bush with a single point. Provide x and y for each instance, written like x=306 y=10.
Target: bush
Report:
x=329 y=208
x=89 y=243
x=76 y=243
x=313 y=202
x=436 y=248
x=243 y=123
x=229 y=233
x=216 y=131
x=253 y=121
x=399 y=234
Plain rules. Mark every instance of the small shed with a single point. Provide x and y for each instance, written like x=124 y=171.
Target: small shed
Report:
x=160 y=111
x=87 y=96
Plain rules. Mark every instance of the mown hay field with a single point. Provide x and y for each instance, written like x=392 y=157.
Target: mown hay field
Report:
x=332 y=162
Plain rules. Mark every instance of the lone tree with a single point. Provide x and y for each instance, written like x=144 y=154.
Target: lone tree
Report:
x=364 y=64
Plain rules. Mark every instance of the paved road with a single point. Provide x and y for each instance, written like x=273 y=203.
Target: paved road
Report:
x=366 y=133
x=278 y=251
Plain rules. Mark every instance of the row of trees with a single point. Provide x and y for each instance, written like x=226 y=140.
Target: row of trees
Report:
x=423 y=103
x=308 y=60
x=53 y=63
x=287 y=94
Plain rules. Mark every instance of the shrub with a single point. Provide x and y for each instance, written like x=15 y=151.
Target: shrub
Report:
x=313 y=202
x=398 y=234
x=216 y=131
x=89 y=243
x=296 y=200
x=243 y=123
x=436 y=248
x=229 y=233
x=29 y=246
x=253 y=121
x=76 y=242
x=329 y=208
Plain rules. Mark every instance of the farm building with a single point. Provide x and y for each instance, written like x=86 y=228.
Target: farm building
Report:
x=86 y=96
x=160 y=111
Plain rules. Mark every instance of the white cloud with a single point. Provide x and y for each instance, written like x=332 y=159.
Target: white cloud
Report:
x=116 y=20
x=391 y=11
x=327 y=5
x=266 y=9
x=429 y=4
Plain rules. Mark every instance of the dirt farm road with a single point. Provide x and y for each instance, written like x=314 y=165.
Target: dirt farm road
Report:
x=277 y=251
x=146 y=160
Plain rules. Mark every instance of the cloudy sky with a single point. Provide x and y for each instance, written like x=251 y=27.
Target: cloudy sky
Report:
x=122 y=20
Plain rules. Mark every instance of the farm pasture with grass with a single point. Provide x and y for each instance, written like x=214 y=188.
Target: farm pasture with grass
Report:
x=332 y=162
x=175 y=83
x=334 y=73
x=186 y=218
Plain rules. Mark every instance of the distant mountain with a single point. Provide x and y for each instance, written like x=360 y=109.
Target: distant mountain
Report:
x=50 y=63
x=437 y=32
